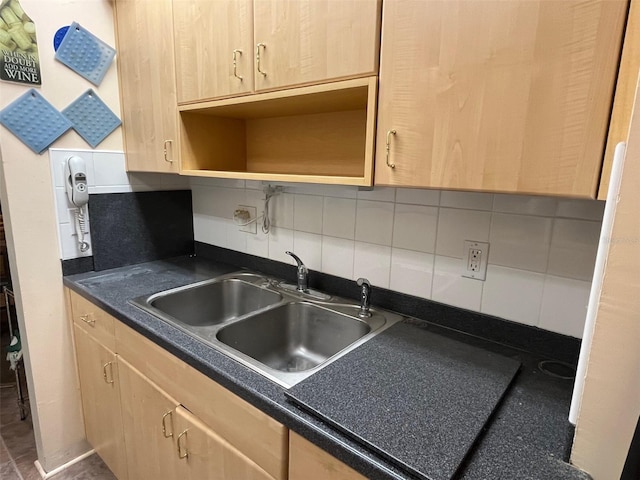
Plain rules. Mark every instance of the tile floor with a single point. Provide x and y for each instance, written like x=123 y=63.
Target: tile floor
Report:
x=18 y=448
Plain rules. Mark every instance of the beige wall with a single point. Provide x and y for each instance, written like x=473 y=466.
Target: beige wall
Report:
x=28 y=205
x=611 y=399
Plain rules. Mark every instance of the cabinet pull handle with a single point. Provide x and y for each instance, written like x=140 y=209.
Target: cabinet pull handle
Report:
x=166 y=150
x=186 y=452
x=264 y=74
x=389 y=133
x=235 y=63
x=88 y=319
x=104 y=372
x=164 y=425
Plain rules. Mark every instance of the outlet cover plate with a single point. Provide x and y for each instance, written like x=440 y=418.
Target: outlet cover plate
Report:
x=474 y=259
x=253 y=226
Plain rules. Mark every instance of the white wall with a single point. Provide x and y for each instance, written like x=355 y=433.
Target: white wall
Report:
x=28 y=205
x=541 y=255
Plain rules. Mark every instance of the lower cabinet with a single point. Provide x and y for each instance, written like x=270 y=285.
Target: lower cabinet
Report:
x=100 y=386
x=165 y=441
x=151 y=416
x=149 y=433
x=308 y=462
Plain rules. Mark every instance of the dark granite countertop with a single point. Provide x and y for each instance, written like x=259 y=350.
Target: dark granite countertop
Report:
x=527 y=438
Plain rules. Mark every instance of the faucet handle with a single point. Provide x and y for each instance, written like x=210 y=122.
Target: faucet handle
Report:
x=363 y=281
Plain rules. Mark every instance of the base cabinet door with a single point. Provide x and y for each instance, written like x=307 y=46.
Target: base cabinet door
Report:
x=147 y=414
x=98 y=371
x=207 y=456
x=308 y=462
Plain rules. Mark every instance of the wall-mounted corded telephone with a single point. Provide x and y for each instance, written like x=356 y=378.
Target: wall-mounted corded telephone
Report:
x=78 y=193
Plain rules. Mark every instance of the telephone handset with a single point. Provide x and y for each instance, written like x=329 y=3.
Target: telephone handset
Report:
x=78 y=193
x=76 y=174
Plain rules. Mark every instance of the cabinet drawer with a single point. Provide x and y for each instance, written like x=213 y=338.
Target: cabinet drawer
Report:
x=255 y=434
x=93 y=320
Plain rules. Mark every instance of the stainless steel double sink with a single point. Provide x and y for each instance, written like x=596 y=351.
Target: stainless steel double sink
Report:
x=267 y=325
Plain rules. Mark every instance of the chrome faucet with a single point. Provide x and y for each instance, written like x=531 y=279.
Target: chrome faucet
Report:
x=303 y=273
x=365 y=297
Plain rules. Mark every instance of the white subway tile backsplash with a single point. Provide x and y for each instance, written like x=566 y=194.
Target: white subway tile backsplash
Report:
x=540 y=265
x=69 y=243
x=416 y=196
x=337 y=256
x=110 y=169
x=254 y=185
x=455 y=226
x=468 y=200
x=450 y=287
x=564 y=305
x=513 y=294
x=308 y=246
x=281 y=210
x=520 y=241
x=111 y=189
x=525 y=205
x=411 y=272
x=374 y=222
x=217 y=201
x=339 y=191
x=209 y=229
x=339 y=217
x=258 y=244
x=307 y=213
x=583 y=209
x=415 y=227
x=573 y=248
x=372 y=262
x=280 y=241
x=380 y=194
x=236 y=239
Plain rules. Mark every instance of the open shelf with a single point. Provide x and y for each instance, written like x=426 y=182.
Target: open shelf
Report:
x=319 y=134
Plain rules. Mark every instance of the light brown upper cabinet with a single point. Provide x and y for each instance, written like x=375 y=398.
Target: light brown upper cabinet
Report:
x=625 y=94
x=497 y=96
x=214 y=48
x=312 y=41
x=147 y=84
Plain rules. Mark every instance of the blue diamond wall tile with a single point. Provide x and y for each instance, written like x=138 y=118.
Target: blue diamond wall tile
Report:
x=91 y=118
x=34 y=121
x=85 y=54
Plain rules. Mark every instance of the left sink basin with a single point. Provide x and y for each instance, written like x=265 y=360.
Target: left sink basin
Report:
x=211 y=302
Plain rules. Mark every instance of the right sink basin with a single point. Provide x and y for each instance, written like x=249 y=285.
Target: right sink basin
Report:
x=293 y=337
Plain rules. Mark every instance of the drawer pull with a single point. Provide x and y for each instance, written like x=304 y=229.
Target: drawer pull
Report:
x=164 y=425
x=104 y=372
x=235 y=63
x=186 y=452
x=264 y=74
x=389 y=133
x=88 y=319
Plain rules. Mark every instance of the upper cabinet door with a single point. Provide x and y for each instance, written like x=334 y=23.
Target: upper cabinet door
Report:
x=311 y=41
x=214 y=48
x=510 y=96
x=147 y=84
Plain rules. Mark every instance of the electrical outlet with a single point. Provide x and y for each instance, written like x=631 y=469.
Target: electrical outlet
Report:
x=474 y=259
x=245 y=217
